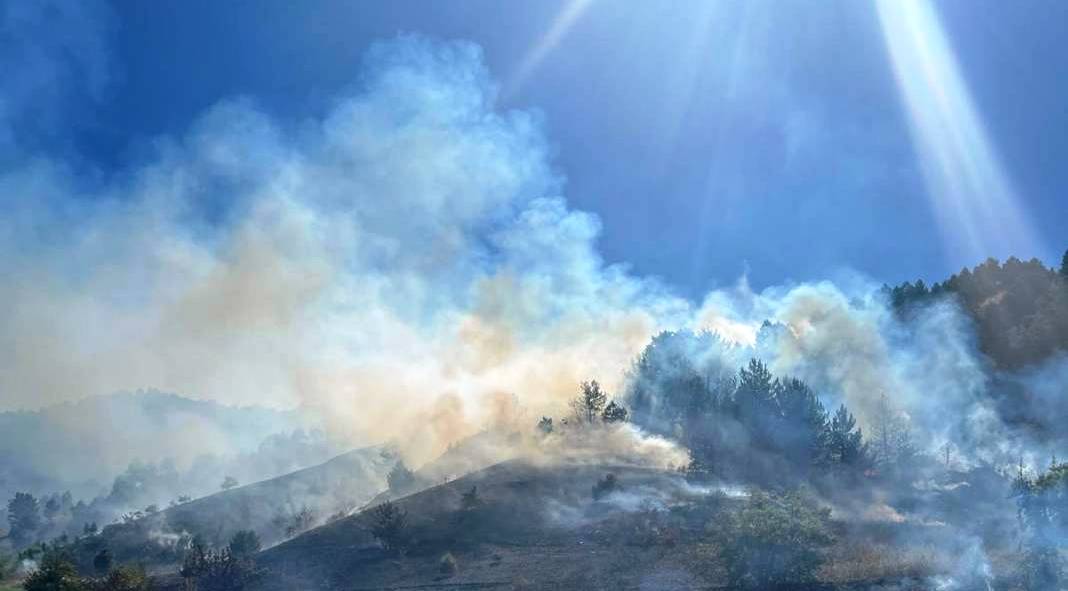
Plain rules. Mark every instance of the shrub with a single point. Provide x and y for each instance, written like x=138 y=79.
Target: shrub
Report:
x=447 y=564
x=244 y=543
x=545 y=425
x=102 y=562
x=605 y=486
x=55 y=573
x=775 y=540
x=469 y=501
x=389 y=525
x=7 y=565
x=124 y=578
x=216 y=570
x=615 y=413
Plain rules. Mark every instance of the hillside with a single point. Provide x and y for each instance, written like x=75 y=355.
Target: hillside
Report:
x=1020 y=309
x=539 y=527
x=534 y=522
x=274 y=509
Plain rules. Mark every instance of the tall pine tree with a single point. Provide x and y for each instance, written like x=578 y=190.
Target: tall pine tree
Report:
x=846 y=441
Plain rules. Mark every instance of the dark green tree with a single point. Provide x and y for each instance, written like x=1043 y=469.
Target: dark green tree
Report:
x=102 y=562
x=23 y=518
x=205 y=569
x=845 y=441
x=52 y=508
x=389 y=525
x=803 y=435
x=614 y=413
x=124 y=578
x=244 y=543
x=755 y=402
x=55 y=573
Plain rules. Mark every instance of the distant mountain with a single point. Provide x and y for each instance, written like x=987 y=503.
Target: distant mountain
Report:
x=81 y=446
x=275 y=509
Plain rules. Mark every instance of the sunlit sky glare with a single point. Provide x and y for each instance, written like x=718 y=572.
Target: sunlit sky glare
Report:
x=784 y=139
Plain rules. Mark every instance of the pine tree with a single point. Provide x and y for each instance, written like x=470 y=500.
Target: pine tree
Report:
x=755 y=401
x=1064 y=265
x=614 y=413
x=803 y=433
x=590 y=402
x=23 y=518
x=893 y=447
x=846 y=441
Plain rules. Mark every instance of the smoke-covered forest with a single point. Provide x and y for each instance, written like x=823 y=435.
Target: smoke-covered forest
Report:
x=737 y=464
x=562 y=295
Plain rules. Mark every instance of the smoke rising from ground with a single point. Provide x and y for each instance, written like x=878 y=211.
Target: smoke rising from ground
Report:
x=406 y=266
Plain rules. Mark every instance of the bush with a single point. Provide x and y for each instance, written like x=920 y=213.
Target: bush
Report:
x=7 y=566
x=102 y=562
x=605 y=486
x=124 y=578
x=389 y=525
x=447 y=564
x=55 y=573
x=216 y=570
x=244 y=543
x=775 y=540
x=469 y=501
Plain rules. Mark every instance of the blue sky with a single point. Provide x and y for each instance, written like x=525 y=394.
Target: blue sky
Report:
x=711 y=139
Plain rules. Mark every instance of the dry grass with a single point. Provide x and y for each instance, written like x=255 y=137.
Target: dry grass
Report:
x=871 y=562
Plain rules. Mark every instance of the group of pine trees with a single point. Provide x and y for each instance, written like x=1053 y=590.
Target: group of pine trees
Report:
x=591 y=407
x=752 y=426
x=31 y=519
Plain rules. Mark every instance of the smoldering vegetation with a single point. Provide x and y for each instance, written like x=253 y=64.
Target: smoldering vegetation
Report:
x=404 y=269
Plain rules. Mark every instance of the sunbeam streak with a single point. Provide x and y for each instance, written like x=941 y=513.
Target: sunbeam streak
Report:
x=563 y=22
x=970 y=191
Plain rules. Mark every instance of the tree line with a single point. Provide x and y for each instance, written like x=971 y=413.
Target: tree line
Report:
x=1020 y=308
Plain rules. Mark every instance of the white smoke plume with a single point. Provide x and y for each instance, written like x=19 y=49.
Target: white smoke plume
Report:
x=402 y=262
x=405 y=265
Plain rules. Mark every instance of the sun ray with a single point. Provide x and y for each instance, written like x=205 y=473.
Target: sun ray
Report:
x=971 y=193
x=559 y=29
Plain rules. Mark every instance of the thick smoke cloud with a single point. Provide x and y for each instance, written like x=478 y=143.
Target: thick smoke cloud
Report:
x=403 y=264
x=405 y=260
